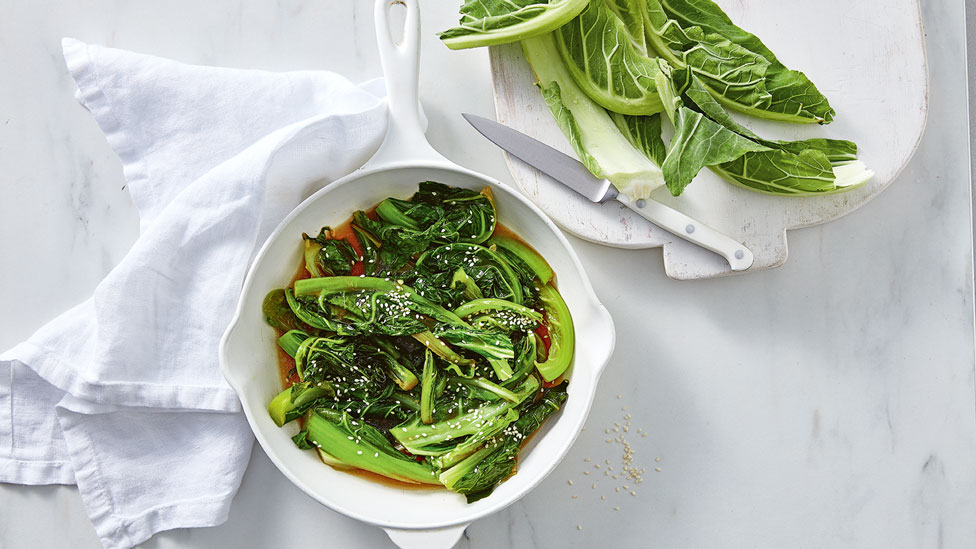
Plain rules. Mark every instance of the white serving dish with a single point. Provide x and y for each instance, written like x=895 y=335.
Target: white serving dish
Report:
x=418 y=518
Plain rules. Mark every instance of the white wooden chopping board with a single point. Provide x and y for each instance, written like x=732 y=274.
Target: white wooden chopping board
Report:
x=867 y=57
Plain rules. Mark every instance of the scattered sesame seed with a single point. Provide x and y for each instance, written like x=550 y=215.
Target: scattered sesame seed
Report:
x=579 y=527
x=633 y=493
x=570 y=482
x=616 y=508
x=658 y=469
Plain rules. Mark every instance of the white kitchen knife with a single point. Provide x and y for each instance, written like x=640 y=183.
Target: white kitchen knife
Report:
x=573 y=174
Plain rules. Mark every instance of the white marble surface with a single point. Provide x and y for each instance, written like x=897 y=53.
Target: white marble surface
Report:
x=827 y=403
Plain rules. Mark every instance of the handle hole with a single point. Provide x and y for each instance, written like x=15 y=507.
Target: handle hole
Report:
x=397 y=16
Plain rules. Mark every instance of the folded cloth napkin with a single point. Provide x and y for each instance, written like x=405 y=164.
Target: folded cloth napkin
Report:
x=123 y=394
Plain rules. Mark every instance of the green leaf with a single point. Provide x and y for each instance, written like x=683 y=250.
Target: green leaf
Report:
x=427 y=383
x=697 y=141
x=477 y=475
x=466 y=215
x=562 y=334
x=291 y=403
x=644 y=133
x=361 y=445
x=606 y=64
x=631 y=14
x=783 y=173
x=327 y=256
x=492 y=22
x=598 y=143
x=278 y=314
x=491 y=274
x=440 y=437
x=706 y=135
x=810 y=166
x=496 y=347
x=523 y=258
x=737 y=68
x=552 y=95
x=291 y=340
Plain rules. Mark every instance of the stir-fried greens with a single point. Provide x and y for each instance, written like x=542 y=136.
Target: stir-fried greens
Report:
x=609 y=71
x=427 y=343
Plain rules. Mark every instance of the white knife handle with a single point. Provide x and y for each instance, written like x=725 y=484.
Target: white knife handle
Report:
x=679 y=224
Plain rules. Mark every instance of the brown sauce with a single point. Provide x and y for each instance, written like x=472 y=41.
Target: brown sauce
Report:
x=392 y=483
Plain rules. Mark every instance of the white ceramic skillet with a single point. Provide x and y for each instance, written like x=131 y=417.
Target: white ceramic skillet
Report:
x=413 y=518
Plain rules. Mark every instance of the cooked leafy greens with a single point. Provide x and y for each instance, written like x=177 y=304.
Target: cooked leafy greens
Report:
x=607 y=73
x=423 y=341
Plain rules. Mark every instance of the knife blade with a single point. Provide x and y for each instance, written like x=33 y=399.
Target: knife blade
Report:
x=573 y=174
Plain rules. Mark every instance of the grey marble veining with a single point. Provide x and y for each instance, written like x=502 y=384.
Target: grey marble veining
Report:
x=826 y=403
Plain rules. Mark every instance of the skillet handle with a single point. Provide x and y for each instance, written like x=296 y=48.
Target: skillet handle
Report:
x=440 y=538
x=405 y=138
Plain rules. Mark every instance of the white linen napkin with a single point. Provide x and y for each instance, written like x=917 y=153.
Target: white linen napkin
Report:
x=123 y=394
